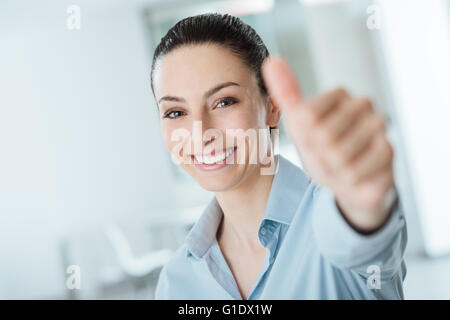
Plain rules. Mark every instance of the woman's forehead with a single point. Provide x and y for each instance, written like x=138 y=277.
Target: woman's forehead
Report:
x=197 y=67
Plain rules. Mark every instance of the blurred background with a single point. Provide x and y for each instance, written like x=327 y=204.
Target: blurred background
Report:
x=87 y=187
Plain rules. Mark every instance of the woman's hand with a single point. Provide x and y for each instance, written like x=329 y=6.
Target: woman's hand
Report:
x=342 y=145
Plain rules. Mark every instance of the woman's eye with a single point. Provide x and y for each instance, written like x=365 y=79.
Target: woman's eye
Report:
x=173 y=114
x=226 y=102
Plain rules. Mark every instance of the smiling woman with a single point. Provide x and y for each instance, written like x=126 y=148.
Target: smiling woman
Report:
x=276 y=235
x=227 y=93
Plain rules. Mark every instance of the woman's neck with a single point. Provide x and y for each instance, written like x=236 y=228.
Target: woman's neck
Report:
x=243 y=209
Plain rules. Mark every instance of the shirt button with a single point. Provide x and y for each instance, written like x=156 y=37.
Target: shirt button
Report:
x=263 y=231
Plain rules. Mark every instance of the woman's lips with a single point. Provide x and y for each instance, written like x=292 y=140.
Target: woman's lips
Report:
x=214 y=166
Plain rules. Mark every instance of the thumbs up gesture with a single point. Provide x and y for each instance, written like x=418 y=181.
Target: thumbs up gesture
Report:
x=342 y=144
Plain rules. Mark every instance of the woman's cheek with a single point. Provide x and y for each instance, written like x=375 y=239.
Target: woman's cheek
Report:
x=240 y=118
x=170 y=138
x=166 y=135
x=177 y=138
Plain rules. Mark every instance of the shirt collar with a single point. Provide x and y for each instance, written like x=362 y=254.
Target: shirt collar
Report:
x=288 y=187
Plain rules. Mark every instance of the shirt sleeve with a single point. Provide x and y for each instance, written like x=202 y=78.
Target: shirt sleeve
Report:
x=346 y=248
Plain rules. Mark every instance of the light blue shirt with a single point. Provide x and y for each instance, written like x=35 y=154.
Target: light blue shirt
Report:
x=312 y=252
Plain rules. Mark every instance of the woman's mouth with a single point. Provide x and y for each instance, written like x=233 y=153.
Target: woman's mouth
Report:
x=214 y=161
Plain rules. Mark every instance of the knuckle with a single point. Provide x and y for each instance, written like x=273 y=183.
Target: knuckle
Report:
x=390 y=150
x=340 y=92
x=377 y=123
x=365 y=104
x=381 y=124
x=359 y=107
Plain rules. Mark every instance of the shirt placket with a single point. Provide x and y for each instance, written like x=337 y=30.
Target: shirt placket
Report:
x=269 y=234
x=220 y=271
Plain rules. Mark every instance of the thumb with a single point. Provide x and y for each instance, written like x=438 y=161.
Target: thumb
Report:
x=282 y=84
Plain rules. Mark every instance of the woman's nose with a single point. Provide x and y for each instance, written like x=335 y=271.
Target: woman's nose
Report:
x=201 y=122
x=200 y=126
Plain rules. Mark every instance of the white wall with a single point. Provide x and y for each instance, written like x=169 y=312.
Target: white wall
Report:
x=79 y=136
x=418 y=64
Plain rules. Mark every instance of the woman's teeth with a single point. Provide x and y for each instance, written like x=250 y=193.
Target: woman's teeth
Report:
x=215 y=158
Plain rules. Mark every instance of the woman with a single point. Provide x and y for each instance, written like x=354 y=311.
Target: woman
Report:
x=337 y=232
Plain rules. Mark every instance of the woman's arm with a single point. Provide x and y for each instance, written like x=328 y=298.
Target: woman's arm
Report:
x=347 y=248
x=343 y=147
x=342 y=144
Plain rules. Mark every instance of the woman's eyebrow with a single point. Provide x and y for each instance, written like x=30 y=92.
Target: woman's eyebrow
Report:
x=171 y=98
x=207 y=94
x=213 y=90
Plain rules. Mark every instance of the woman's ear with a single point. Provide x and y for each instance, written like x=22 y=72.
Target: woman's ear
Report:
x=273 y=113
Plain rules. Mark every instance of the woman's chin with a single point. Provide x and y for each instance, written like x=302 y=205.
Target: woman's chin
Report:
x=216 y=184
x=217 y=181
x=217 y=177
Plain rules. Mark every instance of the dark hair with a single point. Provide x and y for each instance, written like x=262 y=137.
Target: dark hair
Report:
x=223 y=29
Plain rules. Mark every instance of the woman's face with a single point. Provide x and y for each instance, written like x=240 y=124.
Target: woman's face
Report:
x=203 y=93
